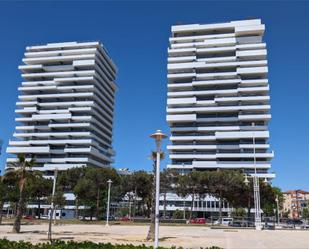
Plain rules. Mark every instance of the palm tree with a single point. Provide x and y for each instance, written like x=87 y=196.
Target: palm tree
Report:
x=21 y=167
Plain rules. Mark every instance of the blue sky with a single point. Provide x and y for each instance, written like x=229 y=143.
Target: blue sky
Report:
x=136 y=36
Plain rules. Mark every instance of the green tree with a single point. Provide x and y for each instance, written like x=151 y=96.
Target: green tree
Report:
x=10 y=180
x=305 y=213
x=222 y=184
x=22 y=167
x=178 y=214
x=4 y=190
x=239 y=212
x=84 y=192
x=68 y=179
x=89 y=186
x=167 y=178
x=39 y=188
x=189 y=184
x=99 y=178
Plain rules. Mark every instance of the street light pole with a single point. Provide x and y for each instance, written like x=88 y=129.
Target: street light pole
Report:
x=158 y=136
x=52 y=208
x=108 y=201
x=277 y=202
x=256 y=190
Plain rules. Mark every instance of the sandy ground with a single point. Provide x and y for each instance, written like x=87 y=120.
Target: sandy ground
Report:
x=185 y=236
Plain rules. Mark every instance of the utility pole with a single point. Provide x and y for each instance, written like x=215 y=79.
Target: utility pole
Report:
x=277 y=202
x=52 y=207
x=108 y=201
x=158 y=136
x=256 y=190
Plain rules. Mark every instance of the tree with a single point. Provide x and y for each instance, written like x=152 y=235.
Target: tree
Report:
x=67 y=180
x=58 y=200
x=21 y=167
x=89 y=186
x=305 y=213
x=39 y=188
x=3 y=195
x=167 y=178
x=178 y=214
x=222 y=184
x=10 y=180
x=189 y=184
x=84 y=192
x=239 y=212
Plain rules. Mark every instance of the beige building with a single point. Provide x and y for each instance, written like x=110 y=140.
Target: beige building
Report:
x=294 y=202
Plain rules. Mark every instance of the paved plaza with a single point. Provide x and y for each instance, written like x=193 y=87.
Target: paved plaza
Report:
x=184 y=236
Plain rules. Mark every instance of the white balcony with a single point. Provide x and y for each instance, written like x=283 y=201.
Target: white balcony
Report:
x=27 y=150
x=242 y=134
x=181 y=118
x=250 y=30
x=252 y=70
x=218 y=109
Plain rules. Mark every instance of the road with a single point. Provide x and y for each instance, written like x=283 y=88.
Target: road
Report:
x=184 y=236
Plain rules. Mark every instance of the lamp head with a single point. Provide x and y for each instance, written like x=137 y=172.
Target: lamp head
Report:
x=246 y=181
x=158 y=135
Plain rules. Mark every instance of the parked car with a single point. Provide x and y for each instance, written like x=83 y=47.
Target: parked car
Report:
x=28 y=217
x=198 y=221
x=43 y=217
x=125 y=218
x=269 y=226
x=294 y=222
x=223 y=221
x=110 y=218
x=304 y=226
x=235 y=224
x=241 y=223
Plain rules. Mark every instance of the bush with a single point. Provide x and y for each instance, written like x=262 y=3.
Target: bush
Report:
x=6 y=244
x=178 y=214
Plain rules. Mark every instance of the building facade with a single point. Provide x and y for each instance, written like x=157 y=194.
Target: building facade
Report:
x=65 y=106
x=218 y=97
x=294 y=203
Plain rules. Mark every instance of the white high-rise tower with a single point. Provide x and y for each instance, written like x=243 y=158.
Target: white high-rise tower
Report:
x=66 y=106
x=218 y=97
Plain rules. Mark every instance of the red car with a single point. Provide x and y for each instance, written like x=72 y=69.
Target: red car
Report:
x=198 y=221
x=125 y=218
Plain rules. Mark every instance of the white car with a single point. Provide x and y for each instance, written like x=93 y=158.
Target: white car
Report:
x=223 y=221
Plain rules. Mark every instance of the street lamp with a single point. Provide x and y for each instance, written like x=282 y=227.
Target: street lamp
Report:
x=256 y=189
x=158 y=136
x=108 y=201
x=277 y=202
x=52 y=207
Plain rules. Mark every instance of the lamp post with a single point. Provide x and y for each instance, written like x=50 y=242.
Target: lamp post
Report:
x=52 y=208
x=256 y=189
x=108 y=201
x=158 y=136
x=277 y=202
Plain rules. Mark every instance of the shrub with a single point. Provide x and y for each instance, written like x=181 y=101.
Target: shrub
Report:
x=7 y=244
x=178 y=214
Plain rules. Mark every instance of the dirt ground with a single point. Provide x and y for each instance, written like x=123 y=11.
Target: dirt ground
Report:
x=184 y=236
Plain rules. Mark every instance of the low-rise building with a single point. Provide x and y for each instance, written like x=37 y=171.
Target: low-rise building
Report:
x=294 y=202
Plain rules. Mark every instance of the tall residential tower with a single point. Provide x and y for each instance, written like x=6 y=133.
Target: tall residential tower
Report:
x=218 y=97
x=65 y=106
